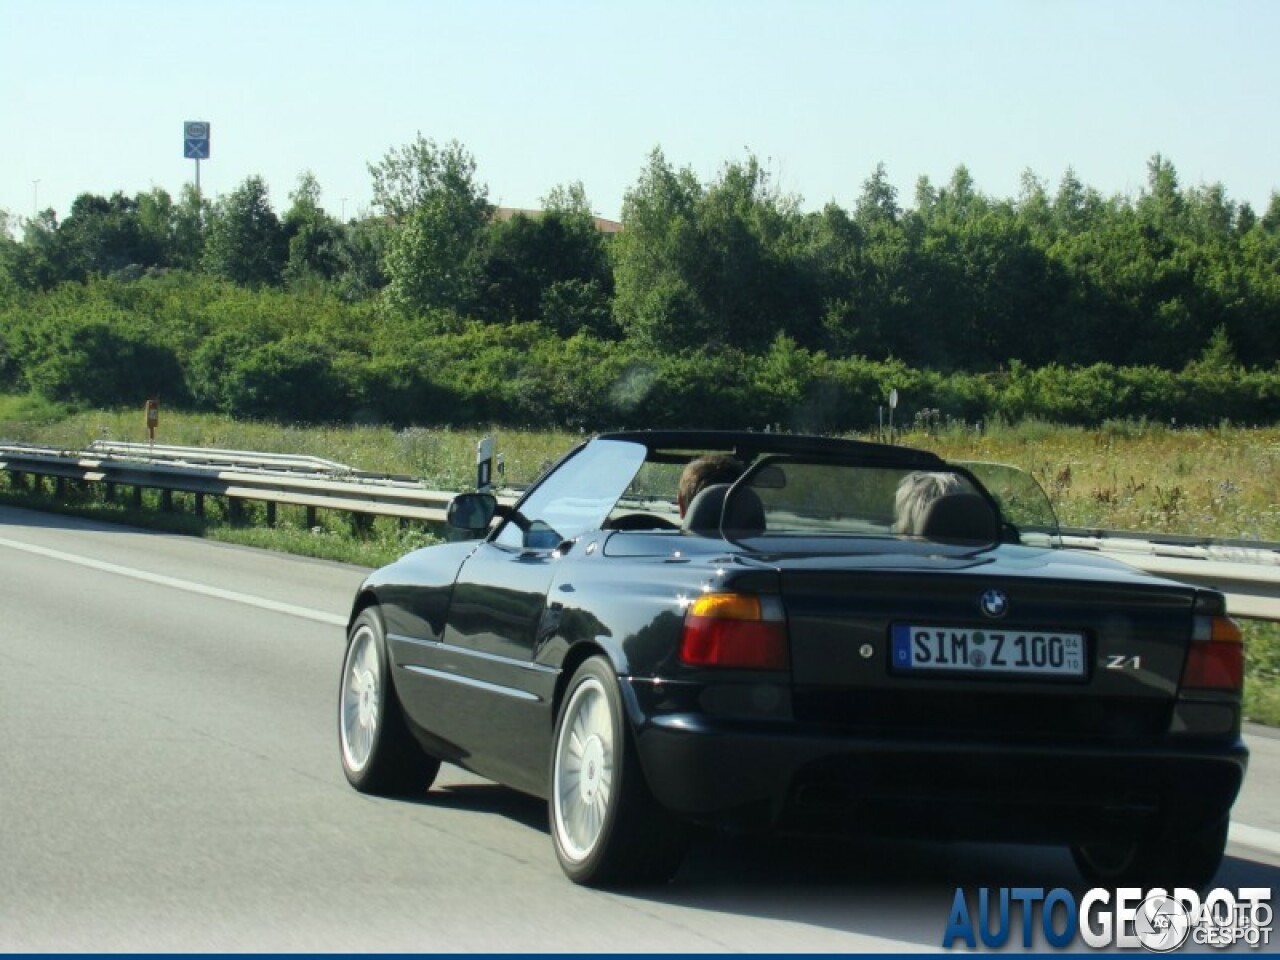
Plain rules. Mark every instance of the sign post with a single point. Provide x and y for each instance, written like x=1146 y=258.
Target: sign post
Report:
x=484 y=465
x=195 y=144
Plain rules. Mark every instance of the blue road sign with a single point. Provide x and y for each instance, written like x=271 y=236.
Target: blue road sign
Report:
x=195 y=140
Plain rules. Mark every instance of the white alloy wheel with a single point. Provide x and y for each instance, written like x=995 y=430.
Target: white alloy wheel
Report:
x=606 y=826
x=585 y=758
x=379 y=755
x=361 y=694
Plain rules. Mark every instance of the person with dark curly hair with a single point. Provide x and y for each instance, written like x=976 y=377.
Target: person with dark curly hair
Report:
x=703 y=472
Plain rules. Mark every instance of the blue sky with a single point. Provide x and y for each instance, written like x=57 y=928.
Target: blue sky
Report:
x=93 y=95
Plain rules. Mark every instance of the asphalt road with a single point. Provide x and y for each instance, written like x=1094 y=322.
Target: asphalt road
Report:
x=169 y=782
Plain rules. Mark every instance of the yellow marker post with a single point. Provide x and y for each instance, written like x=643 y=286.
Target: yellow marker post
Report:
x=153 y=419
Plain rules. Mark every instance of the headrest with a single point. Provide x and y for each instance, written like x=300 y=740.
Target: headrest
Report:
x=707 y=515
x=960 y=518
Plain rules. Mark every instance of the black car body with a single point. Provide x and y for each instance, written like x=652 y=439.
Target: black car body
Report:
x=797 y=657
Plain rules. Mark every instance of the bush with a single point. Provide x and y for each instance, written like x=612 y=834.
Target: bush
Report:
x=102 y=364
x=290 y=380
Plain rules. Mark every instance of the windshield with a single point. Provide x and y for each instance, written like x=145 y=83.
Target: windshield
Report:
x=575 y=497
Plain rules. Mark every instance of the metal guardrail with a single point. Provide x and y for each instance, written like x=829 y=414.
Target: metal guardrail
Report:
x=213 y=456
x=379 y=496
x=1248 y=572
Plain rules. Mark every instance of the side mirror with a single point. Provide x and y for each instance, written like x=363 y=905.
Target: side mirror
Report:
x=472 y=511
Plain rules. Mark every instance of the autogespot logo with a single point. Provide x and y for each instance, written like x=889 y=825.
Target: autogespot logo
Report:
x=1162 y=924
x=1156 y=920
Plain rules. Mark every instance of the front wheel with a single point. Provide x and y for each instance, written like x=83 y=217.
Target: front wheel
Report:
x=379 y=754
x=605 y=824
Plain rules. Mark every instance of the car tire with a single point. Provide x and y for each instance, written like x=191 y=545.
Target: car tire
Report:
x=607 y=828
x=1188 y=858
x=379 y=754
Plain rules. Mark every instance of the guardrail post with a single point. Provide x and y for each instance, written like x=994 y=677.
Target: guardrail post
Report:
x=109 y=492
x=311 y=518
x=235 y=507
x=60 y=488
x=200 y=505
x=137 y=497
x=166 y=501
x=271 y=513
x=361 y=524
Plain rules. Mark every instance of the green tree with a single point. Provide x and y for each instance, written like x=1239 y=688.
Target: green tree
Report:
x=1161 y=204
x=360 y=255
x=655 y=303
x=1270 y=221
x=960 y=198
x=879 y=199
x=313 y=237
x=1075 y=206
x=43 y=259
x=103 y=236
x=410 y=176
x=875 y=310
x=551 y=267
x=440 y=211
x=569 y=200
x=245 y=242
x=750 y=279
x=10 y=252
x=191 y=216
x=718 y=266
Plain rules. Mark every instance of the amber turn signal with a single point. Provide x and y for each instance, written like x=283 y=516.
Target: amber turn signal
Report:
x=735 y=630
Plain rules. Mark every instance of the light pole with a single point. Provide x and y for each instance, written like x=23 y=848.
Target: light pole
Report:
x=35 y=199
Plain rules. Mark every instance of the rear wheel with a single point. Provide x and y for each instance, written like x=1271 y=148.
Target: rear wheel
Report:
x=1188 y=858
x=605 y=824
x=379 y=755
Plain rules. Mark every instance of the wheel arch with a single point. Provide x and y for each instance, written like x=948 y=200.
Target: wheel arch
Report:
x=577 y=655
x=365 y=599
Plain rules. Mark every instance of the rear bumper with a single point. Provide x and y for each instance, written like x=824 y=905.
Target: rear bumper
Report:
x=808 y=777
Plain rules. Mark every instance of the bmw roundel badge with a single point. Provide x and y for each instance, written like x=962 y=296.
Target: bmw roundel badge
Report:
x=994 y=603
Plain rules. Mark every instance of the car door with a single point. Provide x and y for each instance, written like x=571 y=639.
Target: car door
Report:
x=500 y=616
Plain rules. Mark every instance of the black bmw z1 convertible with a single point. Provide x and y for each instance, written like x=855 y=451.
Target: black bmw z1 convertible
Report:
x=799 y=634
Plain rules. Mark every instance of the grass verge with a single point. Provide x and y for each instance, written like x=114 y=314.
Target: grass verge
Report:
x=1262 y=672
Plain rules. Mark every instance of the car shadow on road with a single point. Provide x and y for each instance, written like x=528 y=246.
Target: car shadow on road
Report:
x=898 y=890
x=902 y=891
x=489 y=798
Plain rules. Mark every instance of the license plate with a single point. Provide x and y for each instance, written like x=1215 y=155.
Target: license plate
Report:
x=918 y=649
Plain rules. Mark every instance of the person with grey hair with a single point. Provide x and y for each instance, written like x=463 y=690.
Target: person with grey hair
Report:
x=916 y=491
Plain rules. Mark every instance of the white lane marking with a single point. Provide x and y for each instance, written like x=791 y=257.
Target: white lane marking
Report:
x=189 y=585
x=1256 y=837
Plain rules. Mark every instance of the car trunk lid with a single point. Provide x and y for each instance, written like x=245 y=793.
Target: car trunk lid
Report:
x=1031 y=647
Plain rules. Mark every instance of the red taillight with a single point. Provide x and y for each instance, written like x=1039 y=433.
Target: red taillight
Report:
x=1215 y=659
x=735 y=630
